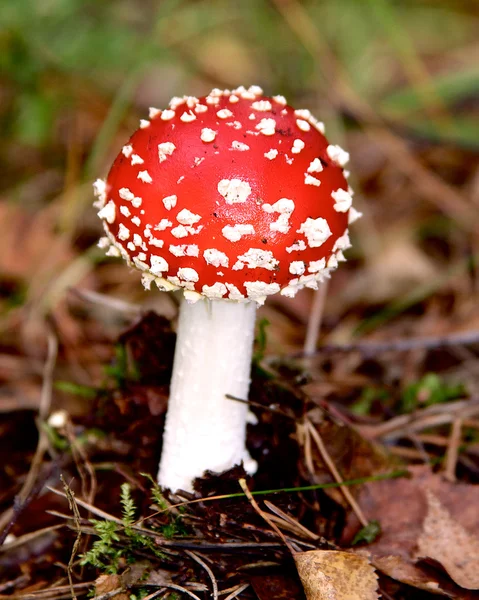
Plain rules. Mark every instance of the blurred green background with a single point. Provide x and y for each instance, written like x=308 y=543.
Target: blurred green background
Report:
x=72 y=64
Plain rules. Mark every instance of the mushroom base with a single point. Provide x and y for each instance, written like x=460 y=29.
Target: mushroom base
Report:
x=204 y=429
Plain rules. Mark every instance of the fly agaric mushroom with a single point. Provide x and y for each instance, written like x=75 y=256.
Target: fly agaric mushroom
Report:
x=231 y=198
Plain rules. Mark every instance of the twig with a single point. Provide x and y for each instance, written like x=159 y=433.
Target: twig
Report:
x=407 y=453
x=264 y=515
x=30 y=489
x=335 y=473
x=18 y=581
x=111 y=594
x=420 y=448
x=400 y=345
x=32 y=485
x=276 y=411
x=299 y=529
x=93 y=509
x=53 y=593
x=178 y=588
x=106 y=301
x=308 y=452
x=83 y=465
x=76 y=517
x=28 y=538
x=155 y=594
x=46 y=395
x=433 y=439
x=237 y=592
x=432 y=416
x=207 y=569
x=179 y=544
x=452 y=453
x=287 y=526
x=314 y=319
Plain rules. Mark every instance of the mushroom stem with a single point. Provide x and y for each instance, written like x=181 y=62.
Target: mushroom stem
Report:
x=204 y=429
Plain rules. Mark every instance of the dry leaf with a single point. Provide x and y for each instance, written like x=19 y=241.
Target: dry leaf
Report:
x=400 y=505
x=334 y=575
x=401 y=570
x=276 y=586
x=106 y=584
x=444 y=540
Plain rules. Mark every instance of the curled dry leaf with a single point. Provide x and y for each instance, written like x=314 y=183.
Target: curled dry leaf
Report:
x=335 y=575
x=110 y=584
x=444 y=540
x=400 y=505
x=399 y=569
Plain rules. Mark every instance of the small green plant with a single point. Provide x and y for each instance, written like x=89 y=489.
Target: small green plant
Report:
x=58 y=441
x=261 y=340
x=259 y=349
x=175 y=526
x=103 y=554
x=123 y=368
x=369 y=395
x=430 y=389
x=156 y=494
x=139 y=594
x=118 y=542
x=128 y=508
x=75 y=389
x=368 y=533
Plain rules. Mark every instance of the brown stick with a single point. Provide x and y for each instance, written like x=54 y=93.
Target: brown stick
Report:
x=32 y=484
x=315 y=319
x=452 y=453
x=335 y=473
x=462 y=338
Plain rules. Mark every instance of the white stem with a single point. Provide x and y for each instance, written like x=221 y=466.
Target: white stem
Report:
x=315 y=318
x=205 y=430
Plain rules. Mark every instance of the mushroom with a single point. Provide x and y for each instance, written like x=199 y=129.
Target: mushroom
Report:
x=230 y=198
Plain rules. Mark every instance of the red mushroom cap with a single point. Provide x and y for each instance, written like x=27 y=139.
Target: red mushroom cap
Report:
x=232 y=195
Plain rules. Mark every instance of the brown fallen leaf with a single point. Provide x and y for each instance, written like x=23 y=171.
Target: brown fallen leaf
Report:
x=400 y=505
x=276 y=586
x=444 y=540
x=107 y=584
x=336 y=575
x=399 y=569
